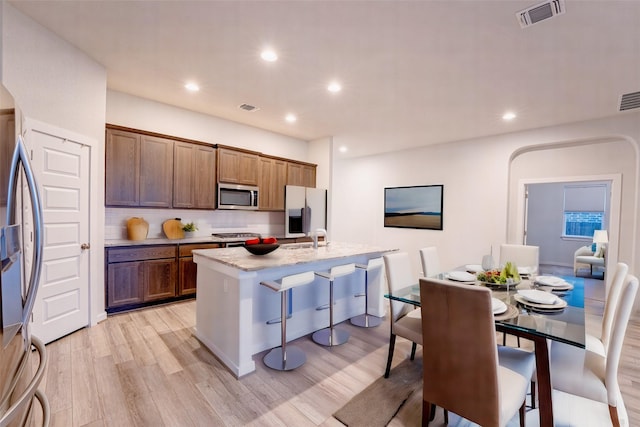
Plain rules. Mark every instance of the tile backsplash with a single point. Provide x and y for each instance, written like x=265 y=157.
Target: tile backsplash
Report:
x=213 y=221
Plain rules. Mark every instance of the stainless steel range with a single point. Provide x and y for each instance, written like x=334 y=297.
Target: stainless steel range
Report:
x=234 y=239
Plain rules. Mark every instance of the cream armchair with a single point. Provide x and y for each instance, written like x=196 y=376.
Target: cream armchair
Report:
x=585 y=258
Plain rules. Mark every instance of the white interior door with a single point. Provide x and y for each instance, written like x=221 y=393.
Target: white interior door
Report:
x=61 y=166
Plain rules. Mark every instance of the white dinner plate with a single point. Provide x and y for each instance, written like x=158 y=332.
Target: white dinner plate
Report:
x=548 y=280
x=554 y=283
x=524 y=271
x=473 y=268
x=538 y=296
x=498 y=306
x=461 y=276
x=559 y=305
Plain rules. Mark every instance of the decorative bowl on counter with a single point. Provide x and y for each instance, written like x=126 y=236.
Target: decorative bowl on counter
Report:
x=262 y=248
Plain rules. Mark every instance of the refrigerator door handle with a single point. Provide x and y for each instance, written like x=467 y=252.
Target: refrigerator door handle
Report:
x=20 y=156
x=27 y=395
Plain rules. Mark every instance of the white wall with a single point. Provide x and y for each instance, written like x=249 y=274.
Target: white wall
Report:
x=478 y=199
x=139 y=113
x=55 y=83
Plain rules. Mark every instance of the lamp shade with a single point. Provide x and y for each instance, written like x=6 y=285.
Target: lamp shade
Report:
x=600 y=236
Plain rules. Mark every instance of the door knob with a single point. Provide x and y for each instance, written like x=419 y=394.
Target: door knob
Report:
x=85 y=246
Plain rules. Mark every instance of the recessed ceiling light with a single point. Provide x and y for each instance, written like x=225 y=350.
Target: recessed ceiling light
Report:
x=342 y=149
x=269 y=55
x=290 y=118
x=509 y=115
x=334 y=87
x=192 y=87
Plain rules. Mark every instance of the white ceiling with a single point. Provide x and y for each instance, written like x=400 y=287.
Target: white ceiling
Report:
x=413 y=72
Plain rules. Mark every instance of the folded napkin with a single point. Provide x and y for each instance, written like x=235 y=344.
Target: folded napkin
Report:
x=549 y=280
x=461 y=276
x=537 y=296
x=473 y=268
x=524 y=271
x=498 y=306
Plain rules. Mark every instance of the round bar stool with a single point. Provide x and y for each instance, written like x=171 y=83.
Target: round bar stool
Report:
x=331 y=336
x=367 y=320
x=283 y=358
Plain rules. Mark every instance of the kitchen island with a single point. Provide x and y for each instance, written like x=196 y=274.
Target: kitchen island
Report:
x=236 y=317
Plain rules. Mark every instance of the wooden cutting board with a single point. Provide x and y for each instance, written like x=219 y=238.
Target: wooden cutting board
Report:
x=173 y=229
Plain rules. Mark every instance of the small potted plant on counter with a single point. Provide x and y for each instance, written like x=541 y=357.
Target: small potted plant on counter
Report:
x=189 y=228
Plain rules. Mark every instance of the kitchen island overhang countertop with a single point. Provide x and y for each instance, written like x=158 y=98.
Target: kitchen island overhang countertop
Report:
x=235 y=314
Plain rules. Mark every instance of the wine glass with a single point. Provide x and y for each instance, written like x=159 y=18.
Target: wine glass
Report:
x=487 y=262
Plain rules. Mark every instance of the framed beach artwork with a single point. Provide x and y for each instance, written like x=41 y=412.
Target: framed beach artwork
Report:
x=418 y=206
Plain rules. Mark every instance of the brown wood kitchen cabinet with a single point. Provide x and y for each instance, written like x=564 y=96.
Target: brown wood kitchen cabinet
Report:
x=7 y=144
x=139 y=275
x=194 y=176
x=122 y=168
x=303 y=174
x=273 y=178
x=138 y=169
x=237 y=166
x=188 y=269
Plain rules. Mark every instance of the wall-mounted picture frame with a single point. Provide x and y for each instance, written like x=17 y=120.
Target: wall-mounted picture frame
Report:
x=418 y=206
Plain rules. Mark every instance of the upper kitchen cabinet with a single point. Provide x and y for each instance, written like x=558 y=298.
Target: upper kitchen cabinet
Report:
x=7 y=144
x=237 y=166
x=273 y=178
x=302 y=174
x=122 y=168
x=194 y=178
x=138 y=169
x=156 y=172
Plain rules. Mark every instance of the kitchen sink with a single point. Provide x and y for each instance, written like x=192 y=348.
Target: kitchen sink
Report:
x=297 y=246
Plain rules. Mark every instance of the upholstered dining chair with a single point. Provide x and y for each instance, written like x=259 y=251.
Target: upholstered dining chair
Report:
x=430 y=261
x=525 y=257
x=594 y=343
x=465 y=372
x=405 y=318
x=593 y=376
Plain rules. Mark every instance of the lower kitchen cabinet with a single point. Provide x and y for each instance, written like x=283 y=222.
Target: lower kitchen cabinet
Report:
x=123 y=284
x=140 y=275
x=143 y=275
x=159 y=279
x=188 y=271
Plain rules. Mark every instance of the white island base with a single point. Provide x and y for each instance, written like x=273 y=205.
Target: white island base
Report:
x=235 y=314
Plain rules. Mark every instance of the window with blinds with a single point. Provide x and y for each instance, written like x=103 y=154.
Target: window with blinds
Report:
x=584 y=209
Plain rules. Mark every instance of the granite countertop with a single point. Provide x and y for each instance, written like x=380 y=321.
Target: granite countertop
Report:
x=288 y=254
x=165 y=241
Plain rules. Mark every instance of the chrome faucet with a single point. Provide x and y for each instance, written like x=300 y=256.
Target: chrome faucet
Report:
x=315 y=235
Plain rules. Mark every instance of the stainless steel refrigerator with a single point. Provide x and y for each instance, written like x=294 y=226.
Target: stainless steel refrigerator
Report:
x=305 y=210
x=20 y=374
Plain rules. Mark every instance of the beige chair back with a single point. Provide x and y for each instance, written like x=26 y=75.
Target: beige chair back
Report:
x=430 y=261
x=399 y=275
x=521 y=255
x=460 y=360
x=621 y=320
x=611 y=302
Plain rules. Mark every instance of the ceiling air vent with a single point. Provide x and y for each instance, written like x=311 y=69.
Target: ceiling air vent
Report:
x=247 y=107
x=629 y=101
x=540 y=12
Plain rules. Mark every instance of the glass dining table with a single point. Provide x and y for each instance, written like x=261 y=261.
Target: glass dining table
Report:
x=521 y=319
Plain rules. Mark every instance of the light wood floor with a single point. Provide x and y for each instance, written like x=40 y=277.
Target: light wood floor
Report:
x=145 y=368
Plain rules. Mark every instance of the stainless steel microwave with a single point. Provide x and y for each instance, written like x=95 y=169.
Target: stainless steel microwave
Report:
x=234 y=196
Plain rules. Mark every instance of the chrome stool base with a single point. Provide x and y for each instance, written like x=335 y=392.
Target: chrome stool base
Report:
x=330 y=337
x=293 y=359
x=366 y=321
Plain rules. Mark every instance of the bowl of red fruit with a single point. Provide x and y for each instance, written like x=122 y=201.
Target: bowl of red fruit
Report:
x=261 y=246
